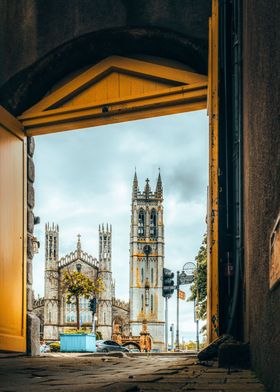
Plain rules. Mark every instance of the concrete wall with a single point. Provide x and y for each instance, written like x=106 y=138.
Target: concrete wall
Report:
x=261 y=82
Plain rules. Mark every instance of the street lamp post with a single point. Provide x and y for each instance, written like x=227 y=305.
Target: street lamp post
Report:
x=167 y=291
x=187 y=275
x=166 y=324
x=172 y=336
x=196 y=320
x=177 y=314
x=184 y=277
x=189 y=268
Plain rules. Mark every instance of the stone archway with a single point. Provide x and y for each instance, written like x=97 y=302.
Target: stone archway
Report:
x=31 y=84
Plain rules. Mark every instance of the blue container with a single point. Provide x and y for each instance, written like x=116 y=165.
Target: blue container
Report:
x=77 y=343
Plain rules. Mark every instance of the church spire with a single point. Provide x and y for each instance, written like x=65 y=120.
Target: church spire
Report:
x=147 y=189
x=135 y=186
x=79 y=246
x=159 y=189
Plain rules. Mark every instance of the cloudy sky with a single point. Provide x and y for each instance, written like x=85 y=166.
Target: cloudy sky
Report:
x=84 y=178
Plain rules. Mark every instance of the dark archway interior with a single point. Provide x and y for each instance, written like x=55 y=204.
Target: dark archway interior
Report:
x=31 y=84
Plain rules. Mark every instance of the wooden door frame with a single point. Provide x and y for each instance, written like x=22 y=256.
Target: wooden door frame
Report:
x=18 y=343
x=47 y=117
x=179 y=100
x=213 y=322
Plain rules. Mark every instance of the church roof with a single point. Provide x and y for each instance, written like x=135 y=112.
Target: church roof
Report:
x=80 y=255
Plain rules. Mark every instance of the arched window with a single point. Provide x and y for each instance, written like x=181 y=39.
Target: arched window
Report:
x=142 y=275
x=152 y=303
x=50 y=316
x=152 y=275
x=153 y=223
x=142 y=302
x=141 y=223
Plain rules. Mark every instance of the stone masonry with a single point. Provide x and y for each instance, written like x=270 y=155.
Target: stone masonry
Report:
x=33 y=322
x=122 y=373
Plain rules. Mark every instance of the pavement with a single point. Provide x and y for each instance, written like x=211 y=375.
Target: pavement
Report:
x=121 y=373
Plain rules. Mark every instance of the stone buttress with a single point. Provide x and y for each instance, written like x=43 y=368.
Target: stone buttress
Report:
x=51 y=303
x=104 y=306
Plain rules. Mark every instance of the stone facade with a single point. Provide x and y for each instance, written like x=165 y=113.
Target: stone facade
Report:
x=120 y=315
x=33 y=323
x=58 y=315
x=38 y=310
x=147 y=262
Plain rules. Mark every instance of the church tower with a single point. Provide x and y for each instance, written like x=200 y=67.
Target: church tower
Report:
x=104 y=308
x=147 y=261
x=51 y=307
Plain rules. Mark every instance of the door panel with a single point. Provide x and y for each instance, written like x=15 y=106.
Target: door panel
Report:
x=12 y=234
x=213 y=191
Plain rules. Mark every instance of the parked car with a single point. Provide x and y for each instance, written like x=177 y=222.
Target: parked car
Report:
x=109 y=345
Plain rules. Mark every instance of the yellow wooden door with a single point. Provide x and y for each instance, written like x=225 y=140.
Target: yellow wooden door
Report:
x=213 y=190
x=12 y=234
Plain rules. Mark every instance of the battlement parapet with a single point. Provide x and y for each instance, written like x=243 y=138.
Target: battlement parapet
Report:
x=120 y=304
x=81 y=255
x=39 y=302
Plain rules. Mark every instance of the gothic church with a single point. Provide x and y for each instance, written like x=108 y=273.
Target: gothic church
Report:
x=146 y=304
x=59 y=315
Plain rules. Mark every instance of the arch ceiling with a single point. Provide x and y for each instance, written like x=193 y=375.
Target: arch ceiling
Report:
x=114 y=90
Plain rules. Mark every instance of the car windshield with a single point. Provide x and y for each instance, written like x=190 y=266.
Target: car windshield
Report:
x=112 y=343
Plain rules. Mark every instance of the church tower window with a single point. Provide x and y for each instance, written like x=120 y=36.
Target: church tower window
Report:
x=153 y=223
x=152 y=275
x=142 y=302
x=141 y=223
x=152 y=303
x=142 y=275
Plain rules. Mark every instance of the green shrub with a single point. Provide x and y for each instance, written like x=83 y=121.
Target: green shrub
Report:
x=98 y=335
x=86 y=325
x=76 y=331
x=83 y=331
x=55 y=347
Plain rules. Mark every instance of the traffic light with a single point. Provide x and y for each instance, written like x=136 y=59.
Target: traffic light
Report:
x=92 y=305
x=167 y=283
